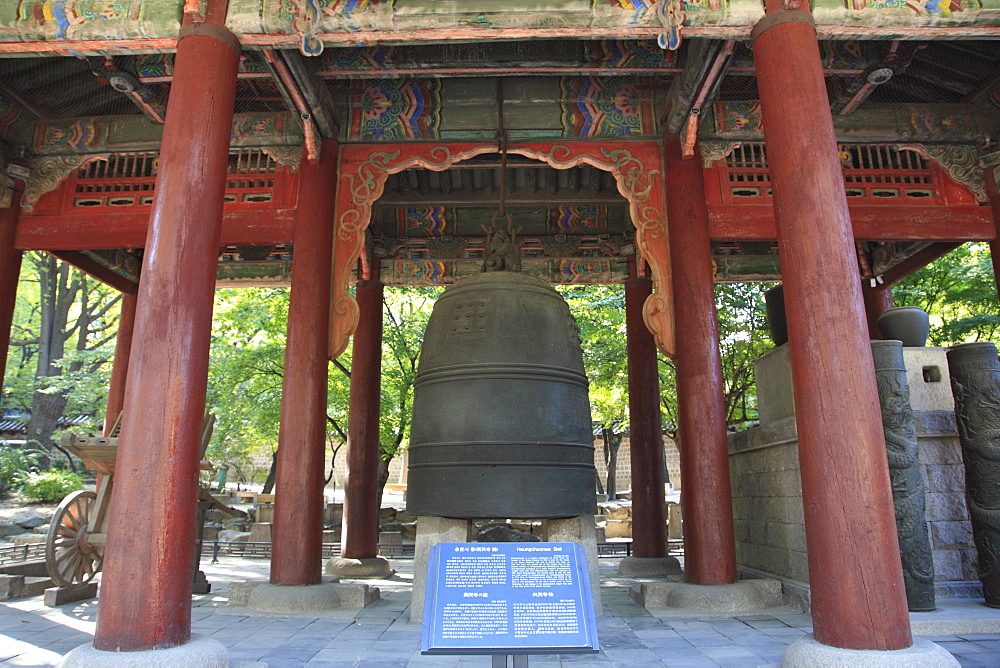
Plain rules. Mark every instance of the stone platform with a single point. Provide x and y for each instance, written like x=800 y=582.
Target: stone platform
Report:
x=381 y=635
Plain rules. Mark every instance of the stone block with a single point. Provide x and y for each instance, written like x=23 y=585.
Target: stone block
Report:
x=229 y=536
x=675 y=521
x=27 y=539
x=30 y=521
x=357 y=595
x=947 y=565
x=11 y=530
x=260 y=532
x=970 y=560
x=618 y=529
x=796 y=538
x=239 y=591
x=601 y=536
x=945 y=506
x=798 y=566
x=265 y=513
x=617 y=511
x=946 y=478
x=267 y=597
x=951 y=535
x=210 y=533
x=939 y=450
x=430 y=532
x=742 y=596
x=579 y=530
x=775 y=399
x=62 y=595
x=11 y=586
x=927 y=375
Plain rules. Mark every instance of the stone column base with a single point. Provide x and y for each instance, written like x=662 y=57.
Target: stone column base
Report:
x=807 y=652
x=742 y=596
x=355 y=595
x=267 y=597
x=200 y=651
x=356 y=569
x=649 y=567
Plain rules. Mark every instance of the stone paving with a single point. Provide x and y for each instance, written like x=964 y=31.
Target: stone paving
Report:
x=381 y=635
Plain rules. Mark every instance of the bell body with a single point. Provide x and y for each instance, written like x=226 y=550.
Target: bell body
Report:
x=501 y=422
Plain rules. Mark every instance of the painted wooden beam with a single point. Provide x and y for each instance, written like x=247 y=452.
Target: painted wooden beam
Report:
x=874 y=223
x=458 y=34
x=94 y=231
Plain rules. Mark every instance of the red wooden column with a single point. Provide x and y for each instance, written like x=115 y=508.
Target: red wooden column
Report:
x=854 y=568
x=146 y=588
x=123 y=350
x=297 y=538
x=709 y=539
x=649 y=507
x=877 y=300
x=360 y=537
x=10 y=270
x=993 y=191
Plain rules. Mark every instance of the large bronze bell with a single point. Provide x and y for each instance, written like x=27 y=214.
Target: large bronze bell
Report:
x=501 y=420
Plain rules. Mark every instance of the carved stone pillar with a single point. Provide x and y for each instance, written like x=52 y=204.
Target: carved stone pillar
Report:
x=975 y=382
x=904 y=473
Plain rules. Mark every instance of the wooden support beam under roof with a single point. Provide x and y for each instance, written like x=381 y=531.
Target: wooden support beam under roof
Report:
x=92 y=230
x=918 y=261
x=96 y=270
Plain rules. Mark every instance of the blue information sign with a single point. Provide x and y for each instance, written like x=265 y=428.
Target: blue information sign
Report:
x=508 y=598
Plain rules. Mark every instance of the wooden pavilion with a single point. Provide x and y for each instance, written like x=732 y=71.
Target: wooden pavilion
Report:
x=319 y=143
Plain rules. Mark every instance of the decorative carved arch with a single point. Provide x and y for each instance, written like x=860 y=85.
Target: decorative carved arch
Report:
x=636 y=166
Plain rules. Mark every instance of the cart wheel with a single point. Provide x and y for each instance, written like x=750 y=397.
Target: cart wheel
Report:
x=69 y=557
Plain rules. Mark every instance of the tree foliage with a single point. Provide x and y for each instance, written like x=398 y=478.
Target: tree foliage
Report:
x=959 y=293
x=62 y=341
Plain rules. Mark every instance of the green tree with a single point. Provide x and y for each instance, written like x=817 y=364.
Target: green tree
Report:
x=245 y=376
x=959 y=293
x=599 y=311
x=405 y=315
x=62 y=341
x=743 y=337
x=247 y=372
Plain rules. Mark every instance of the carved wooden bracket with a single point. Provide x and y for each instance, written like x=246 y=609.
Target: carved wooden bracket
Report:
x=713 y=151
x=636 y=166
x=961 y=162
x=289 y=156
x=48 y=172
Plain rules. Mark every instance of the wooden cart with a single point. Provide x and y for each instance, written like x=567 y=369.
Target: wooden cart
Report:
x=74 y=546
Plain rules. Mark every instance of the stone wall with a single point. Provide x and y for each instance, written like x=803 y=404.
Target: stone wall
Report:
x=947 y=515
x=767 y=500
x=767 y=505
x=623 y=474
